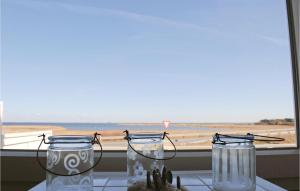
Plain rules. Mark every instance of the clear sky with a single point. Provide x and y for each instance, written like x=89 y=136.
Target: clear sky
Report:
x=145 y=61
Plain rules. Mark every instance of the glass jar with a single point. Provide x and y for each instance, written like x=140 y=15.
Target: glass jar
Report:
x=70 y=162
x=145 y=153
x=233 y=163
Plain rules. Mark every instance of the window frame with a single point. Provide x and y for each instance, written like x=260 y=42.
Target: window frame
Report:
x=294 y=59
x=292 y=25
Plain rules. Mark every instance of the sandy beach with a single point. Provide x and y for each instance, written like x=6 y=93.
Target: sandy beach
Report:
x=183 y=139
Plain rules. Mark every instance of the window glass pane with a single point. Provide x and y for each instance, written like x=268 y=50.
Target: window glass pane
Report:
x=78 y=66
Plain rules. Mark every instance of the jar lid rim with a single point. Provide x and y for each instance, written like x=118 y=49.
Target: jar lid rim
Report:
x=70 y=137
x=146 y=136
x=230 y=139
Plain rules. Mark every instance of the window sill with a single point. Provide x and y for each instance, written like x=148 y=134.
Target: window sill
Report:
x=122 y=154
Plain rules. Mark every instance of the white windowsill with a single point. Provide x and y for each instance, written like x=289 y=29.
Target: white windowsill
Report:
x=122 y=154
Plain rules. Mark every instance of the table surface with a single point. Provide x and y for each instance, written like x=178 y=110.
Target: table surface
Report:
x=192 y=180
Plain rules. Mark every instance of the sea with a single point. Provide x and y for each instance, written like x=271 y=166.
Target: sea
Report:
x=116 y=126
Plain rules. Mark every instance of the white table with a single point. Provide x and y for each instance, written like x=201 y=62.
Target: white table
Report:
x=193 y=180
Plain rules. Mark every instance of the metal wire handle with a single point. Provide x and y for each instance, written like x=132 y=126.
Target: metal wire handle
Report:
x=95 y=140
x=127 y=137
x=268 y=138
x=250 y=137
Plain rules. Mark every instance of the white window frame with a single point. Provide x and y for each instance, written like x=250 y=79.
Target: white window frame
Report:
x=20 y=165
x=198 y=155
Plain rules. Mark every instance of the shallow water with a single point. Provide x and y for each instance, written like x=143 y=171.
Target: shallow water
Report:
x=118 y=126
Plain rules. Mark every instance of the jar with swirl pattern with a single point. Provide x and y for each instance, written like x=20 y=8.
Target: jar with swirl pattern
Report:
x=70 y=155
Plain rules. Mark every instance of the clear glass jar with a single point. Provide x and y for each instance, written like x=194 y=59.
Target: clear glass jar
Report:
x=69 y=155
x=142 y=151
x=233 y=163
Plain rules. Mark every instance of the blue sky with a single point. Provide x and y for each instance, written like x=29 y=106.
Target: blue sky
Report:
x=145 y=61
